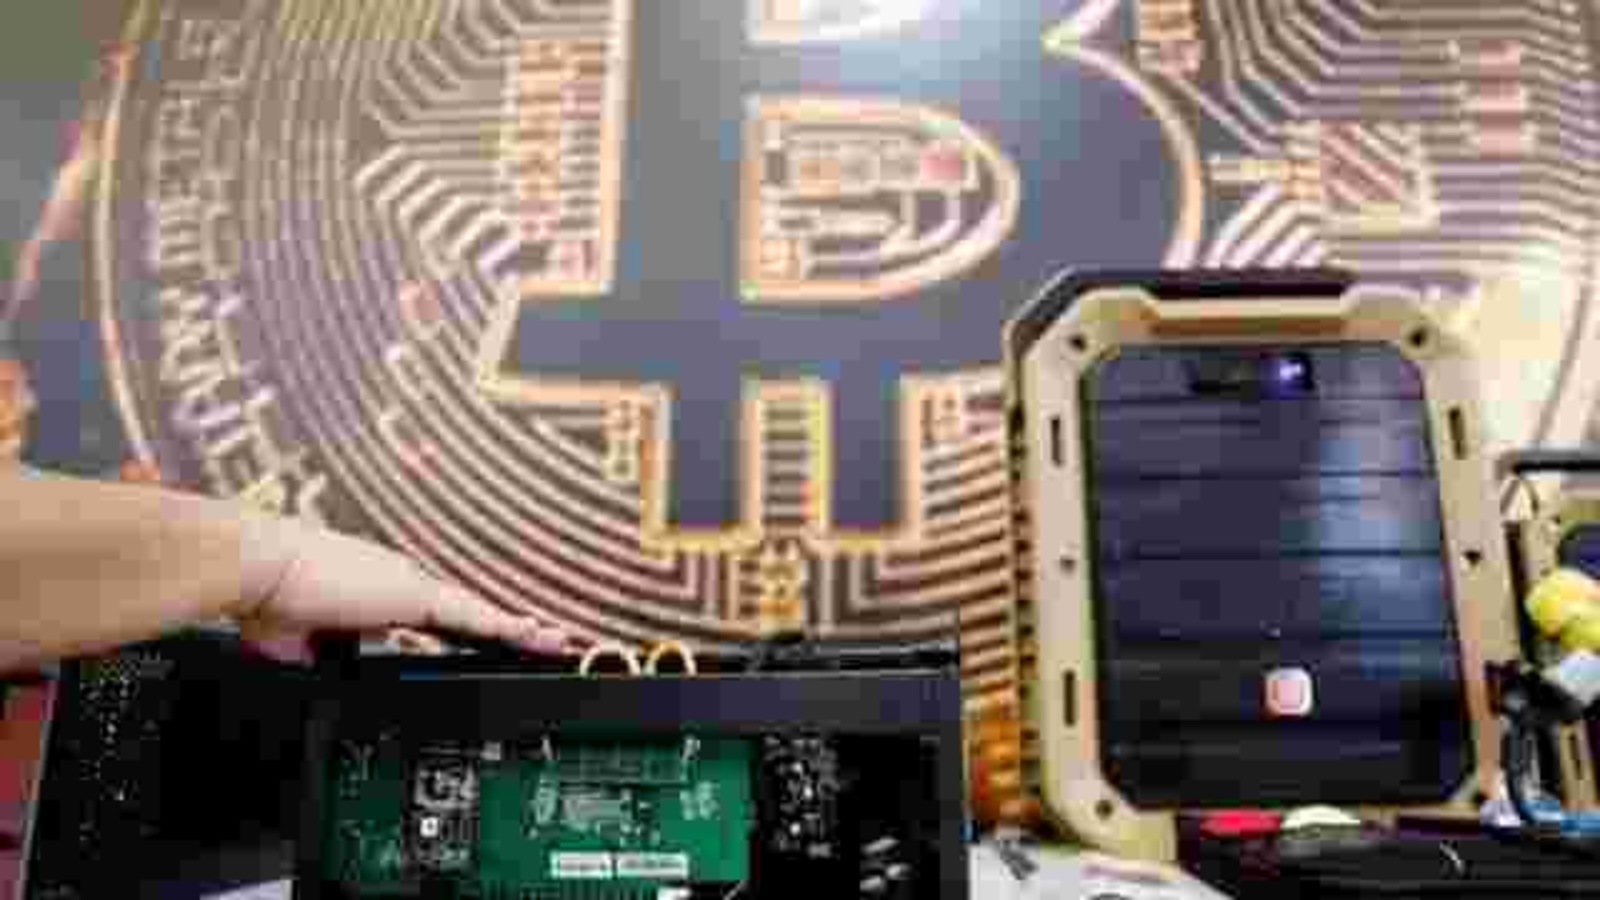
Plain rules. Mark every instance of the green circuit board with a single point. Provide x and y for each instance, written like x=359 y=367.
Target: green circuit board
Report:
x=547 y=817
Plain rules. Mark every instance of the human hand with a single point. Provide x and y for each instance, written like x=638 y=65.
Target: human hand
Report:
x=137 y=471
x=16 y=408
x=87 y=566
x=322 y=581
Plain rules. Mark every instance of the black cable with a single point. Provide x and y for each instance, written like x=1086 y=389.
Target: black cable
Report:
x=1532 y=490
x=799 y=651
x=1517 y=748
x=1520 y=483
x=1546 y=841
x=1516 y=760
x=780 y=647
x=1516 y=466
x=1525 y=462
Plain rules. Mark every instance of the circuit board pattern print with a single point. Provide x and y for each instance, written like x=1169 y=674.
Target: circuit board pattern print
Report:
x=672 y=319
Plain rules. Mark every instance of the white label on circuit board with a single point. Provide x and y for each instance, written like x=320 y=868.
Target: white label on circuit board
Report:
x=593 y=866
x=663 y=866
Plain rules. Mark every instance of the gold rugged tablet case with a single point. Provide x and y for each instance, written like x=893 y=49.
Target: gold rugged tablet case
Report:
x=1260 y=559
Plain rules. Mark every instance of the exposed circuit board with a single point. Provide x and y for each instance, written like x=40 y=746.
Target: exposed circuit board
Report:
x=551 y=817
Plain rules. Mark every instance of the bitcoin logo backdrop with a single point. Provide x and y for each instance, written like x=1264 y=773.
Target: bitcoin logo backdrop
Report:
x=680 y=318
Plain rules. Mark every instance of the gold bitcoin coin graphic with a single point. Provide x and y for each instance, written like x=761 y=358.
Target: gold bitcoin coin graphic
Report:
x=683 y=320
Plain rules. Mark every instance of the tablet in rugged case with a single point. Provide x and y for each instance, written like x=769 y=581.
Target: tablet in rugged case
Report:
x=1264 y=565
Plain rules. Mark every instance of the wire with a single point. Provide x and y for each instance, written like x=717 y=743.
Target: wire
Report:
x=1517 y=748
x=778 y=647
x=1535 y=505
x=1523 y=462
x=1517 y=759
x=610 y=651
x=1520 y=482
x=1456 y=862
x=678 y=649
x=1518 y=465
x=1546 y=841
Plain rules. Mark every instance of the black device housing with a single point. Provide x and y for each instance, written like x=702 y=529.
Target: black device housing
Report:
x=170 y=770
x=1420 y=861
x=497 y=698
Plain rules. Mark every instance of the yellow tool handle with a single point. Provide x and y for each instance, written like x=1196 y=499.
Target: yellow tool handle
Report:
x=1565 y=605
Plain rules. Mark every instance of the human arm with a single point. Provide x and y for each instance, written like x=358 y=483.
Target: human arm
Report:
x=85 y=567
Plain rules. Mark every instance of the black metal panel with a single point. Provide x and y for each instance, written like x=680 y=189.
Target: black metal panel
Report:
x=170 y=770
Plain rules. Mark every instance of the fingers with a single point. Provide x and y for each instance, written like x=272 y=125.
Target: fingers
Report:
x=25 y=283
x=286 y=647
x=335 y=582
x=551 y=641
x=410 y=642
x=455 y=609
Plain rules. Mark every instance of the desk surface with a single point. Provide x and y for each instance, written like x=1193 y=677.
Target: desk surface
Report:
x=1061 y=876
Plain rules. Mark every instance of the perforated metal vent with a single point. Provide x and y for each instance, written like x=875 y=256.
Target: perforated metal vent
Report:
x=170 y=769
x=103 y=772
